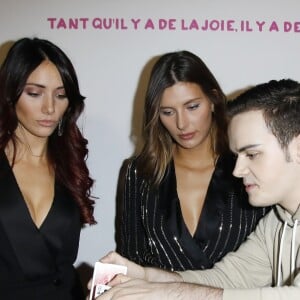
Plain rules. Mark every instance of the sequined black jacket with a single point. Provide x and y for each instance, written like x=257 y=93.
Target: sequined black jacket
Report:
x=150 y=229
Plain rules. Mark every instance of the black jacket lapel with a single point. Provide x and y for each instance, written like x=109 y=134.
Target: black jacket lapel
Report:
x=29 y=246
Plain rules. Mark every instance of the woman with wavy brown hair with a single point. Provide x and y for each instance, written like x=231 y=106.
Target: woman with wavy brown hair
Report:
x=45 y=184
x=179 y=206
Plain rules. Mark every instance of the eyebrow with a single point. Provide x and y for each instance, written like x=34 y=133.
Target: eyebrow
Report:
x=42 y=86
x=186 y=102
x=193 y=99
x=242 y=149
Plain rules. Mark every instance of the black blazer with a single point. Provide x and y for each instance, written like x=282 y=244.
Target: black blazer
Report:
x=37 y=263
x=151 y=230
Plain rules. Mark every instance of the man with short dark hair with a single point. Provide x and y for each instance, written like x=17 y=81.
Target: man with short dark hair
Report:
x=264 y=133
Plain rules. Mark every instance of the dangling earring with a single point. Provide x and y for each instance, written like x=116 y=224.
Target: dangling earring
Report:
x=60 y=128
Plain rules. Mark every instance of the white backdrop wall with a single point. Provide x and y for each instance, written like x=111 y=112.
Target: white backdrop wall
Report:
x=243 y=42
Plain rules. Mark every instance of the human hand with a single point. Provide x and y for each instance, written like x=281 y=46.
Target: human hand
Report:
x=133 y=270
x=126 y=288
x=137 y=272
x=137 y=289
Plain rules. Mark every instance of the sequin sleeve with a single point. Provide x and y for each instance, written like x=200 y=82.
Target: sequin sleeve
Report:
x=130 y=235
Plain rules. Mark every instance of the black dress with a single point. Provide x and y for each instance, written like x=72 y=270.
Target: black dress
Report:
x=37 y=263
x=151 y=230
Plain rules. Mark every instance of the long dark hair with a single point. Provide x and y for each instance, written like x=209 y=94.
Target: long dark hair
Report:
x=173 y=67
x=67 y=153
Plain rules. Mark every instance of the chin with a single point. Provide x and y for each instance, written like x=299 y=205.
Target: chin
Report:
x=254 y=201
x=259 y=202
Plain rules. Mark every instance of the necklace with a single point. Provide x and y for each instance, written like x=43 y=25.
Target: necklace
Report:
x=27 y=143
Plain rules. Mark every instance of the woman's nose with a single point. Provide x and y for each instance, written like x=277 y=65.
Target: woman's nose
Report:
x=48 y=106
x=181 y=121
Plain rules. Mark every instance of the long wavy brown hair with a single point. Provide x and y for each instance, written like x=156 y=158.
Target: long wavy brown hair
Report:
x=67 y=153
x=170 y=68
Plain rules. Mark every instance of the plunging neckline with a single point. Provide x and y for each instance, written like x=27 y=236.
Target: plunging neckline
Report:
x=27 y=208
x=179 y=205
x=24 y=204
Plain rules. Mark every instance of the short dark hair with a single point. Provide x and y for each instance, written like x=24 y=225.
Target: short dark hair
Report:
x=280 y=102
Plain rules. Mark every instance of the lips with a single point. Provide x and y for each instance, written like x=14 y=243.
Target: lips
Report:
x=187 y=136
x=250 y=187
x=46 y=123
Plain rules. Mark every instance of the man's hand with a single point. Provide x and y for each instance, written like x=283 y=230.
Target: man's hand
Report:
x=137 y=289
x=139 y=272
x=133 y=270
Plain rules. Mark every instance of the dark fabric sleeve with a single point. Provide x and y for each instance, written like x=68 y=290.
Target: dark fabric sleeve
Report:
x=130 y=233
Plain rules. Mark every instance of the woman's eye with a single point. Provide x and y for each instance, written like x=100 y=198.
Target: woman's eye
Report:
x=193 y=106
x=166 y=112
x=61 y=96
x=33 y=94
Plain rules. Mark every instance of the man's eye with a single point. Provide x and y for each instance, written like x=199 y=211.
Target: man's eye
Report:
x=252 y=155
